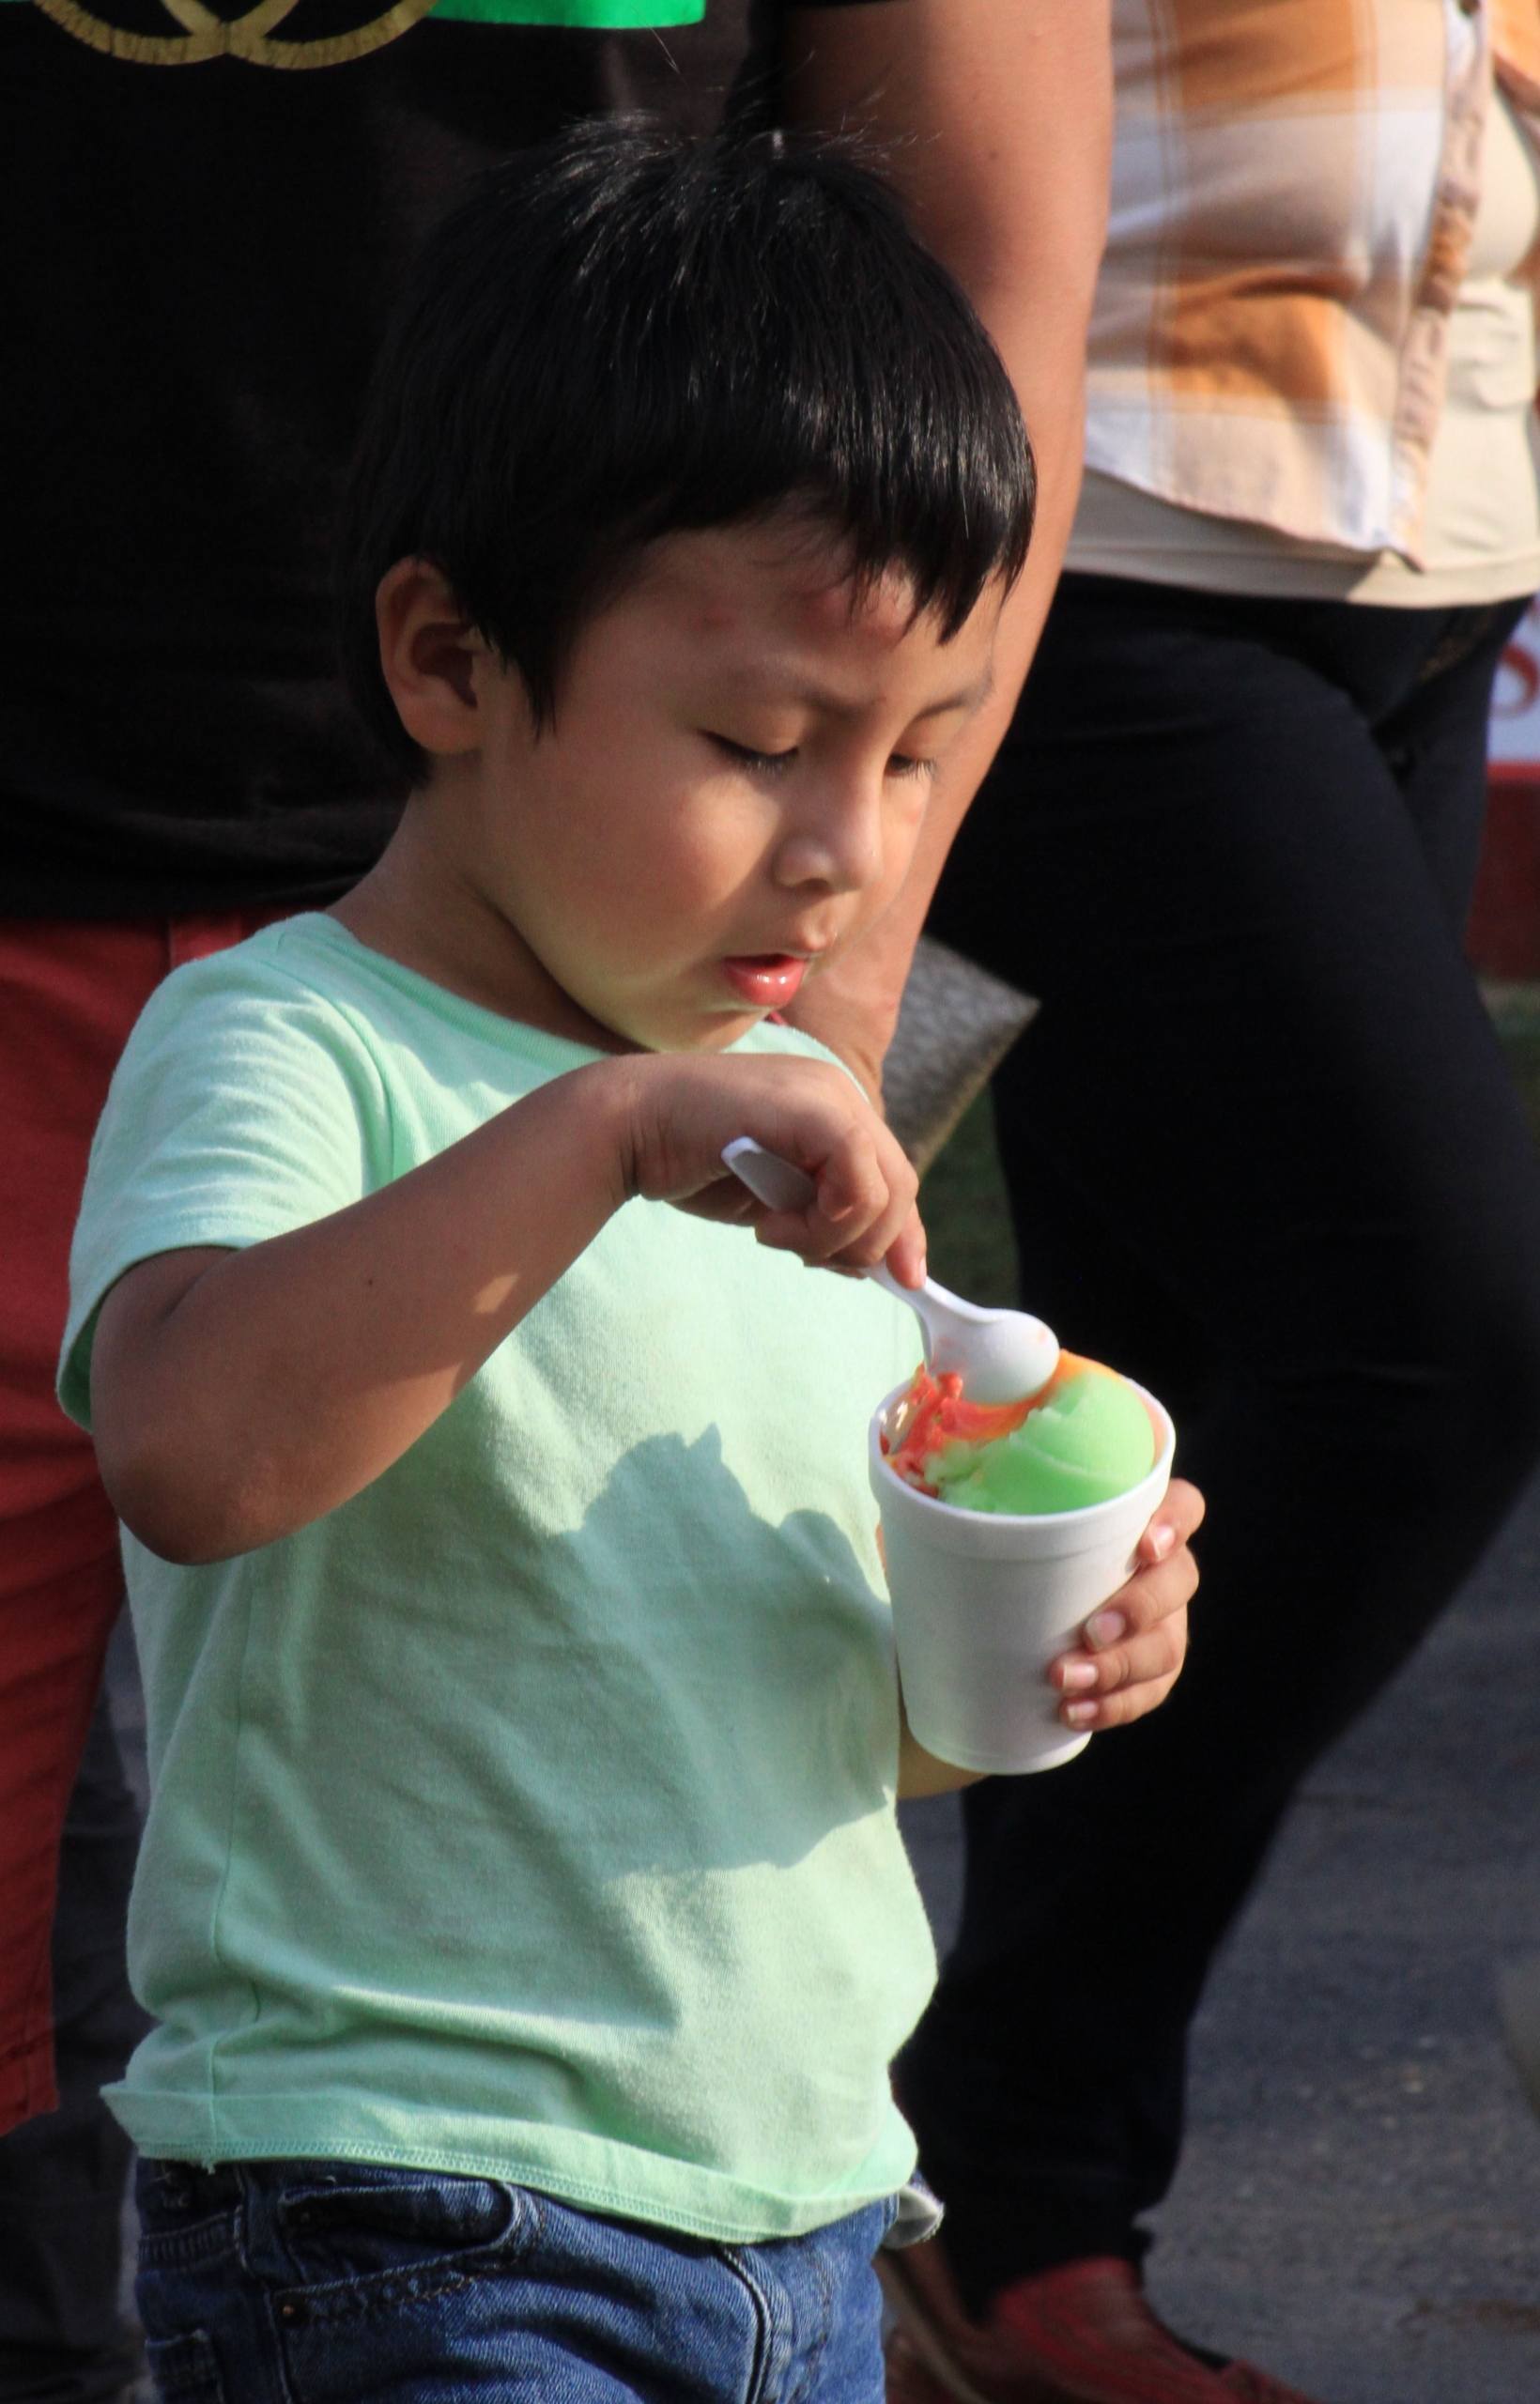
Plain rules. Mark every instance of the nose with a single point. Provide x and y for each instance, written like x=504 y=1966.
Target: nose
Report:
x=838 y=842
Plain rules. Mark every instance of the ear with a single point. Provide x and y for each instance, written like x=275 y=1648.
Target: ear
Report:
x=429 y=654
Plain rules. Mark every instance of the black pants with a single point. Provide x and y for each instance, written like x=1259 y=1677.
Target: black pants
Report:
x=63 y=2176
x=1264 y=1154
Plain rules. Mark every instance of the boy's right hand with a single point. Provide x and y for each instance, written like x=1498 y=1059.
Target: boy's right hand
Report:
x=687 y=1106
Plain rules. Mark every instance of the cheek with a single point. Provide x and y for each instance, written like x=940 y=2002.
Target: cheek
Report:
x=910 y=802
x=647 y=871
x=715 y=847
x=902 y=818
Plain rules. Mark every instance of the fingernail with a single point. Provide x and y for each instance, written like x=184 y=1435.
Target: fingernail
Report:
x=1077 y=1714
x=1105 y=1629
x=1077 y=1675
x=1162 y=1540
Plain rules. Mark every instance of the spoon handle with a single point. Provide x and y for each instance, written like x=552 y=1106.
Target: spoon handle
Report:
x=917 y=1298
x=782 y=1187
x=770 y=1179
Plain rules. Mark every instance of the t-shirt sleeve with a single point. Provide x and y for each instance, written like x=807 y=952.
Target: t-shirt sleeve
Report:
x=244 y=1104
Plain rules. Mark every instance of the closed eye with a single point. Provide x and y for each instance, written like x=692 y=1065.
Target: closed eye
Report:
x=903 y=763
x=766 y=762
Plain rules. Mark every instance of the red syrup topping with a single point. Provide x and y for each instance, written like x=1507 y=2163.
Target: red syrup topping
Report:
x=933 y=1412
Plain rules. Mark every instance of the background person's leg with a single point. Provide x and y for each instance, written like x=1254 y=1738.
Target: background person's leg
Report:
x=1264 y=1154
x=62 y=2176
x=70 y=993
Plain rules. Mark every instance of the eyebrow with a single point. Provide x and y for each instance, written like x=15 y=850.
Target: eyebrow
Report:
x=970 y=696
x=818 y=697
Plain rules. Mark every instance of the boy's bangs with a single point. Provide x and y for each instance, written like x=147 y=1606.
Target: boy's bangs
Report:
x=802 y=346
x=631 y=333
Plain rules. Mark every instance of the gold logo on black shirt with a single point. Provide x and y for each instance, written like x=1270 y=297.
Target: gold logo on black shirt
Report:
x=250 y=37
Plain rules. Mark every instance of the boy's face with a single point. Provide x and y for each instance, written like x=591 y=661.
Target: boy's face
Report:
x=740 y=763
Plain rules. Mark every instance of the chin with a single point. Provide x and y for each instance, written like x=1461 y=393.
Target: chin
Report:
x=713 y=1031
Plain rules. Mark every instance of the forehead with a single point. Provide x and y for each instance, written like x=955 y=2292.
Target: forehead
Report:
x=784 y=589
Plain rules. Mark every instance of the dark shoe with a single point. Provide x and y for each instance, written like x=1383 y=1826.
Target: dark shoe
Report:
x=1079 y=2334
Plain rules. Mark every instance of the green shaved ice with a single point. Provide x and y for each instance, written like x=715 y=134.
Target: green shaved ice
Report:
x=1091 y=1440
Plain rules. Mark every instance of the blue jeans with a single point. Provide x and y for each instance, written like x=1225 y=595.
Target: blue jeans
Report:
x=344 y=2283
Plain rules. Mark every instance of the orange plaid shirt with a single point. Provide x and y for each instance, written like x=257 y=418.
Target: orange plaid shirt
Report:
x=1294 y=188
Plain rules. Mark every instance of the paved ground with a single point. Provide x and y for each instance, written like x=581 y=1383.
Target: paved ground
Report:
x=1359 y=2205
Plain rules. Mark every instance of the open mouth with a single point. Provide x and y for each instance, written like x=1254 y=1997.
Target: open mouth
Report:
x=765 y=980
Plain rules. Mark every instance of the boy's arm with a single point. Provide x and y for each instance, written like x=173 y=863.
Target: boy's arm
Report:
x=921 y=1774
x=997 y=117
x=237 y=1395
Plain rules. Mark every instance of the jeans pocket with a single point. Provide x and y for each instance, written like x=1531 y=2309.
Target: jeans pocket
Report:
x=184 y=2368
x=360 y=2242
x=187 y=2216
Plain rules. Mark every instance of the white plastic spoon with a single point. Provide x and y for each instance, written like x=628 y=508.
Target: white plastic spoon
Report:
x=1001 y=1356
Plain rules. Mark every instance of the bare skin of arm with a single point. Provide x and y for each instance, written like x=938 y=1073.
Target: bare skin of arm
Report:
x=997 y=117
x=239 y=1396
x=236 y=1396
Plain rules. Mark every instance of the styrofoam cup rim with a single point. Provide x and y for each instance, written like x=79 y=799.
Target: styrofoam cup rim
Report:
x=1003 y=1533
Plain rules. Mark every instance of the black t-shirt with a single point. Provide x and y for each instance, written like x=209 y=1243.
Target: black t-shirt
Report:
x=195 y=268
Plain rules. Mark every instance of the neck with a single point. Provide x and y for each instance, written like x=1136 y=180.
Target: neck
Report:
x=419 y=908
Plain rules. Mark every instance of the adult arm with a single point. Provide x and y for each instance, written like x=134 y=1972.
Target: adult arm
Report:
x=995 y=116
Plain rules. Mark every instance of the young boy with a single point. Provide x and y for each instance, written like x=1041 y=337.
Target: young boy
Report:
x=521 y=1905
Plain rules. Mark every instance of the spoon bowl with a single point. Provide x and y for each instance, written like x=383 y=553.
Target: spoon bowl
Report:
x=1001 y=1356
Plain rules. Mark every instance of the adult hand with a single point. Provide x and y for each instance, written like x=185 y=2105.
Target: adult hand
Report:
x=1133 y=1645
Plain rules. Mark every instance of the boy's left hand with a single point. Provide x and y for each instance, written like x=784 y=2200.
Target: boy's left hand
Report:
x=1133 y=1645
x=1118 y=1672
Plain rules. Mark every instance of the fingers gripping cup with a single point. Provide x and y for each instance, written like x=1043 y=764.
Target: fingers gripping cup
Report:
x=988 y=1592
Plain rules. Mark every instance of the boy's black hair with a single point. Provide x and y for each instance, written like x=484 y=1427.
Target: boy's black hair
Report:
x=629 y=332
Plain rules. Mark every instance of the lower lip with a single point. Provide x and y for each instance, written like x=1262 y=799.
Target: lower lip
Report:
x=768 y=980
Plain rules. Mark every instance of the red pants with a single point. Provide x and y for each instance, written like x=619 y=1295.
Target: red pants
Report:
x=70 y=993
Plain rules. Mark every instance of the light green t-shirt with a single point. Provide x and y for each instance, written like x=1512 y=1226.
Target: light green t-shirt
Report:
x=532 y=1815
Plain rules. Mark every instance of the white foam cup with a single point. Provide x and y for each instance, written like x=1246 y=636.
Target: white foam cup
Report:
x=984 y=1602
